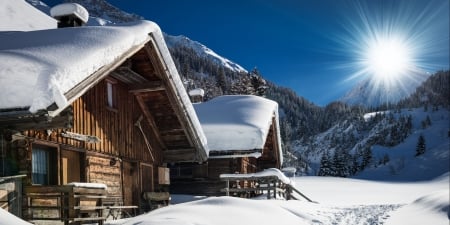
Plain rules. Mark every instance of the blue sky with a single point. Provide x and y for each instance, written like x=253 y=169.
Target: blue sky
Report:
x=312 y=47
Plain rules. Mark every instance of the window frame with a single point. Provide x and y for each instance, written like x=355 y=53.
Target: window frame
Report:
x=52 y=164
x=111 y=94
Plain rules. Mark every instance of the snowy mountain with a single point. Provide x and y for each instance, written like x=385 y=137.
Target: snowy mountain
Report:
x=373 y=93
x=202 y=51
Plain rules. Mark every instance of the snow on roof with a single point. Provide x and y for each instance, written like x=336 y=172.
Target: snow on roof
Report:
x=237 y=122
x=18 y=15
x=197 y=92
x=66 y=9
x=265 y=173
x=38 y=67
x=88 y=185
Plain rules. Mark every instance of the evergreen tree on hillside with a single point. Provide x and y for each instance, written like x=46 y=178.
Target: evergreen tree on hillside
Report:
x=221 y=81
x=258 y=83
x=325 y=166
x=340 y=165
x=421 y=146
x=366 y=157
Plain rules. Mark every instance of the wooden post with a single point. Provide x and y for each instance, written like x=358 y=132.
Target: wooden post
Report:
x=275 y=189
x=227 y=188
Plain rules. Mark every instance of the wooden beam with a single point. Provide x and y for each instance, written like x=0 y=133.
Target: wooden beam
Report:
x=147 y=87
x=163 y=72
x=171 y=138
x=151 y=121
x=40 y=121
x=128 y=76
x=180 y=155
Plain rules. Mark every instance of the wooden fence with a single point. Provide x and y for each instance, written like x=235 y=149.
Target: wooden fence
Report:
x=271 y=185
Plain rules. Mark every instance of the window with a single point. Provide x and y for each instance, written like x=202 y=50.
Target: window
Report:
x=43 y=165
x=111 y=93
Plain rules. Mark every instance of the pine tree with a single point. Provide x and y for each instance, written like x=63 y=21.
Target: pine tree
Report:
x=421 y=146
x=258 y=83
x=325 y=165
x=366 y=157
x=221 y=81
x=340 y=165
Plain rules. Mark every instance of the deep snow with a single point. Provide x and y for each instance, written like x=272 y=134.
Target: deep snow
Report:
x=341 y=201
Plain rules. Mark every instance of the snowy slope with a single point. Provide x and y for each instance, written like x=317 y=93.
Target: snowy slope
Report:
x=18 y=15
x=103 y=9
x=402 y=165
x=371 y=92
x=202 y=51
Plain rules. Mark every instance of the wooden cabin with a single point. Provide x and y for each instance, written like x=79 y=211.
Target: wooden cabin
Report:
x=243 y=137
x=120 y=122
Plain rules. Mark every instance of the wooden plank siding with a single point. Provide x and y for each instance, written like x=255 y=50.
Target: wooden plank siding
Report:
x=115 y=127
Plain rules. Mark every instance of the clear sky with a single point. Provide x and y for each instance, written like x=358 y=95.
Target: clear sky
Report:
x=314 y=47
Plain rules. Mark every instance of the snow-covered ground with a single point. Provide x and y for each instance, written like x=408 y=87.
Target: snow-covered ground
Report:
x=340 y=201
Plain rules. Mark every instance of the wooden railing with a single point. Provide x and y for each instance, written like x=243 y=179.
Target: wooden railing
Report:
x=66 y=203
x=272 y=186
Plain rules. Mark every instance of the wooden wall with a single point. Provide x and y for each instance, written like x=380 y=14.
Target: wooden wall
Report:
x=120 y=139
x=114 y=126
x=99 y=170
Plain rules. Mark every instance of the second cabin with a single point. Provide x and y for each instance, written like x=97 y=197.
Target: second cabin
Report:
x=243 y=137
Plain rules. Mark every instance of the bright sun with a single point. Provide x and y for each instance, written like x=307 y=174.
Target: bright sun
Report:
x=387 y=59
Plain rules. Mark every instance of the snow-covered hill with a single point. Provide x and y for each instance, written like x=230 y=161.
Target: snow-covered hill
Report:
x=371 y=92
x=390 y=143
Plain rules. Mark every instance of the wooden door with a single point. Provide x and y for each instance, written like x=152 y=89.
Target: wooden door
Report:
x=70 y=166
x=131 y=190
x=146 y=177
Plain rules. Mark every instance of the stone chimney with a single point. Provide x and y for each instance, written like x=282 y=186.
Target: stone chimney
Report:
x=70 y=15
x=197 y=95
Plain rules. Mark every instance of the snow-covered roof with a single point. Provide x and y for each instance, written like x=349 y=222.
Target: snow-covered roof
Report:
x=237 y=122
x=18 y=15
x=41 y=67
x=38 y=67
x=66 y=9
x=89 y=185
